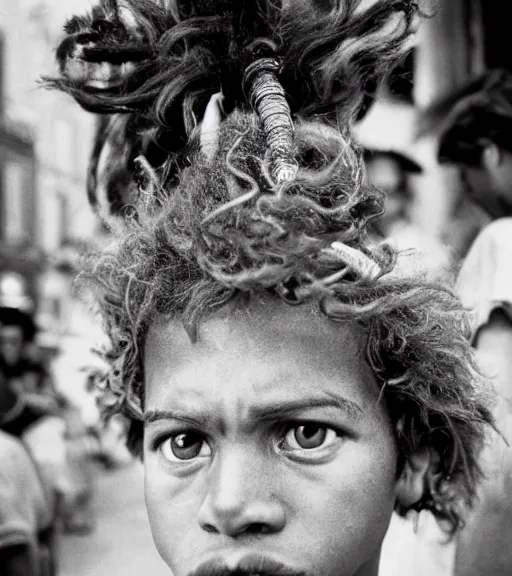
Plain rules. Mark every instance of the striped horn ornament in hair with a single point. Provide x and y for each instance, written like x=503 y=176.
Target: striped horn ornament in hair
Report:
x=357 y=261
x=268 y=98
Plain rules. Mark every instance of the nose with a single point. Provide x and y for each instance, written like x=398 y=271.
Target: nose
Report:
x=240 y=499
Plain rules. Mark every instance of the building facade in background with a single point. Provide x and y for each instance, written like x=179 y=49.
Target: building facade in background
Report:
x=45 y=141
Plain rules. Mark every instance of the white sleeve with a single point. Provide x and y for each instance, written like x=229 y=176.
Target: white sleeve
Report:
x=485 y=280
x=17 y=515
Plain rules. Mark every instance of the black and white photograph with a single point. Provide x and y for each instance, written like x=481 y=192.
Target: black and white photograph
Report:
x=255 y=288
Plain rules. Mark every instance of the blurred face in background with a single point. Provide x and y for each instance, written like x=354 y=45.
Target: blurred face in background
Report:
x=265 y=442
x=386 y=173
x=11 y=344
x=489 y=184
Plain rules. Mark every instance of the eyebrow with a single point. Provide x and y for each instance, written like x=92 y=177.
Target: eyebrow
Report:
x=263 y=412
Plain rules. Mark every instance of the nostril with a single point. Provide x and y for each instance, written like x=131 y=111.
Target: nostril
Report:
x=210 y=528
x=257 y=528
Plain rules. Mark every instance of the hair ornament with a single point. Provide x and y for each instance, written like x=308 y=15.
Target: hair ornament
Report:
x=210 y=126
x=267 y=97
x=356 y=260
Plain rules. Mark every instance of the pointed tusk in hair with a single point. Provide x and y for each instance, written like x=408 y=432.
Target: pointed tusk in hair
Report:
x=210 y=126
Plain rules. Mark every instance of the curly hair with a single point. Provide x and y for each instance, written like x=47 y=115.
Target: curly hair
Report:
x=201 y=230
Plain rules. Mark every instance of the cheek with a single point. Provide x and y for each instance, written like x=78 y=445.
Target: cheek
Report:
x=347 y=505
x=172 y=505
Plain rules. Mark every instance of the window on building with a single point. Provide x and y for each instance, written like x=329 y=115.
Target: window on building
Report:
x=15 y=176
x=64 y=218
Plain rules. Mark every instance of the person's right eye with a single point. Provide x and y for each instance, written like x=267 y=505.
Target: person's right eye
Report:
x=185 y=446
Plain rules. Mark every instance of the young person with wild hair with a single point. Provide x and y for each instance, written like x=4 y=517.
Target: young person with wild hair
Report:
x=286 y=392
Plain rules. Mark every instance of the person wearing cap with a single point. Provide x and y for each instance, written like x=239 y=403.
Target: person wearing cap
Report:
x=476 y=136
x=386 y=135
x=389 y=171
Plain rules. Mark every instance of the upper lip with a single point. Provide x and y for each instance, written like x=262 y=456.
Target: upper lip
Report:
x=251 y=564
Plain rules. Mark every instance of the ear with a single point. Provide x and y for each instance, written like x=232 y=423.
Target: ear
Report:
x=492 y=155
x=414 y=481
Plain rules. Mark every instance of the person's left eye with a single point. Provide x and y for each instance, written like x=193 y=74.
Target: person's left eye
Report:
x=308 y=436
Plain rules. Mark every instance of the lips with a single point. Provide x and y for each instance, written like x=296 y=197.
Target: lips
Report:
x=253 y=565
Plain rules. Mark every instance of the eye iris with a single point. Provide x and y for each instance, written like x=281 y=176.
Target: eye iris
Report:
x=186 y=446
x=310 y=436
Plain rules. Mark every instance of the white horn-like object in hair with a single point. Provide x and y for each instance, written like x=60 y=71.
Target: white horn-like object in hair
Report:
x=359 y=262
x=210 y=126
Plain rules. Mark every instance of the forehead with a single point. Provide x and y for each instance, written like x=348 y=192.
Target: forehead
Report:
x=264 y=350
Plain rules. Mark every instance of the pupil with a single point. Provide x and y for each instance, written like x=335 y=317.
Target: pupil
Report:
x=310 y=431
x=185 y=440
x=310 y=436
x=186 y=446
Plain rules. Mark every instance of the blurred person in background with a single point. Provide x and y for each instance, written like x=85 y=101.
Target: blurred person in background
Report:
x=19 y=363
x=77 y=362
x=476 y=136
x=27 y=529
x=32 y=410
x=386 y=135
x=390 y=171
